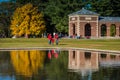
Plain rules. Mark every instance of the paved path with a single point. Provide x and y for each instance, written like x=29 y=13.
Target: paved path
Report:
x=60 y=48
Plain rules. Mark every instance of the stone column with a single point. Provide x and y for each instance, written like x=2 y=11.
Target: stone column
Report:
x=108 y=30
x=77 y=59
x=97 y=29
x=69 y=26
x=117 y=30
x=78 y=26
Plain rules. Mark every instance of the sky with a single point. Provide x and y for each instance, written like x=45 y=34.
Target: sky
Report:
x=3 y=0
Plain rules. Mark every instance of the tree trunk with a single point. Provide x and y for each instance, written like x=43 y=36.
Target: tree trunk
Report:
x=26 y=36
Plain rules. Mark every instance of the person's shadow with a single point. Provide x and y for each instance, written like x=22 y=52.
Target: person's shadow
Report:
x=62 y=44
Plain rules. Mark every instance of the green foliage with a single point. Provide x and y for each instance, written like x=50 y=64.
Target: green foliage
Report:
x=56 y=11
x=102 y=7
x=1 y=30
x=115 y=5
x=62 y=26
x=27 y=20
x=6 y=10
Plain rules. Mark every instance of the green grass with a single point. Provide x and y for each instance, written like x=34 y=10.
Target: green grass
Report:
x=104 y=44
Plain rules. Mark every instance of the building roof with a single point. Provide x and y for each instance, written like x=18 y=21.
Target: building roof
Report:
x=109 y=19
x=83 y=12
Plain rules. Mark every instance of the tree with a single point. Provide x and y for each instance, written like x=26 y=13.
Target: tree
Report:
x=27 y=20
x=115 y=4
x=62 y=25
x=58 y=11
x=6 y=10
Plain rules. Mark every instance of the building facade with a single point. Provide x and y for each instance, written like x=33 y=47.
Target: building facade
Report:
x=86 y=23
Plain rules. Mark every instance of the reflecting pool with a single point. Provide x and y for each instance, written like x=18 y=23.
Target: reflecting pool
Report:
x=57 y=64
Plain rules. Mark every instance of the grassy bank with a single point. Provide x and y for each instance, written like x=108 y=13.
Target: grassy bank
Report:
x=104 y=44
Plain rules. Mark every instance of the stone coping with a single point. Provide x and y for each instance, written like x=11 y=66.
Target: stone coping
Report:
x=60 y=48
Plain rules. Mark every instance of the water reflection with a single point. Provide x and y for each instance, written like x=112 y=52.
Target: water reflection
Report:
x=7 y=78
x=55 y=64
x=27 y=62
x=83 y=62
x=86 y=62
x=53 y=53
x=109 y=60
x=57 y=69
x=6 y=69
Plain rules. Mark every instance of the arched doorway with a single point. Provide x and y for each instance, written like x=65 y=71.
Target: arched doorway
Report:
x=112 y=30
x=73 y=29
x=87 y=30
x=103 y=30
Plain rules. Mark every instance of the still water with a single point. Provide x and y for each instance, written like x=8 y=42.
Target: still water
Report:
x=56 y=64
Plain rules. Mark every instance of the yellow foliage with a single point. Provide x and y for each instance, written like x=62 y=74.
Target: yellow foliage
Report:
x=27 y=20
x=27 y=63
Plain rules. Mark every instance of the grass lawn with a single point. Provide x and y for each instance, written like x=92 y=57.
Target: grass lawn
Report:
x=104 y=44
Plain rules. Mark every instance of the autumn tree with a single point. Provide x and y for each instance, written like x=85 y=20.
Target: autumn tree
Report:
x=27 y=20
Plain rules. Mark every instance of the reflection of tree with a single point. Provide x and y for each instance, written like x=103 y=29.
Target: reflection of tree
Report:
x=4 y=56
x=27 y=62
x=5 y=65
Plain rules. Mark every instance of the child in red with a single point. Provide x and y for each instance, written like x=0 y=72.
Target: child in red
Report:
x=56 y=38
x=49 y=38
x=52 y=40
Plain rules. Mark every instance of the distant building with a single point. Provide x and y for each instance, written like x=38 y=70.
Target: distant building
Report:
x=85 y=23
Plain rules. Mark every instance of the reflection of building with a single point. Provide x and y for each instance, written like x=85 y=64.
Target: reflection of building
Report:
x=109 y=60
x=83 y=61
x=86 y=62
x=87 y=23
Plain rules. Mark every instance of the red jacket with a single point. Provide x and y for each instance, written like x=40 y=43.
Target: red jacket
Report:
x=56 y=36
x=49 y=36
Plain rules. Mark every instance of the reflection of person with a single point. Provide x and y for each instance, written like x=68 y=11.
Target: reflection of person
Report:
x=49 y=55
x=49 y=38
x=56 y=38
x=56 y=55
x=52 y=53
